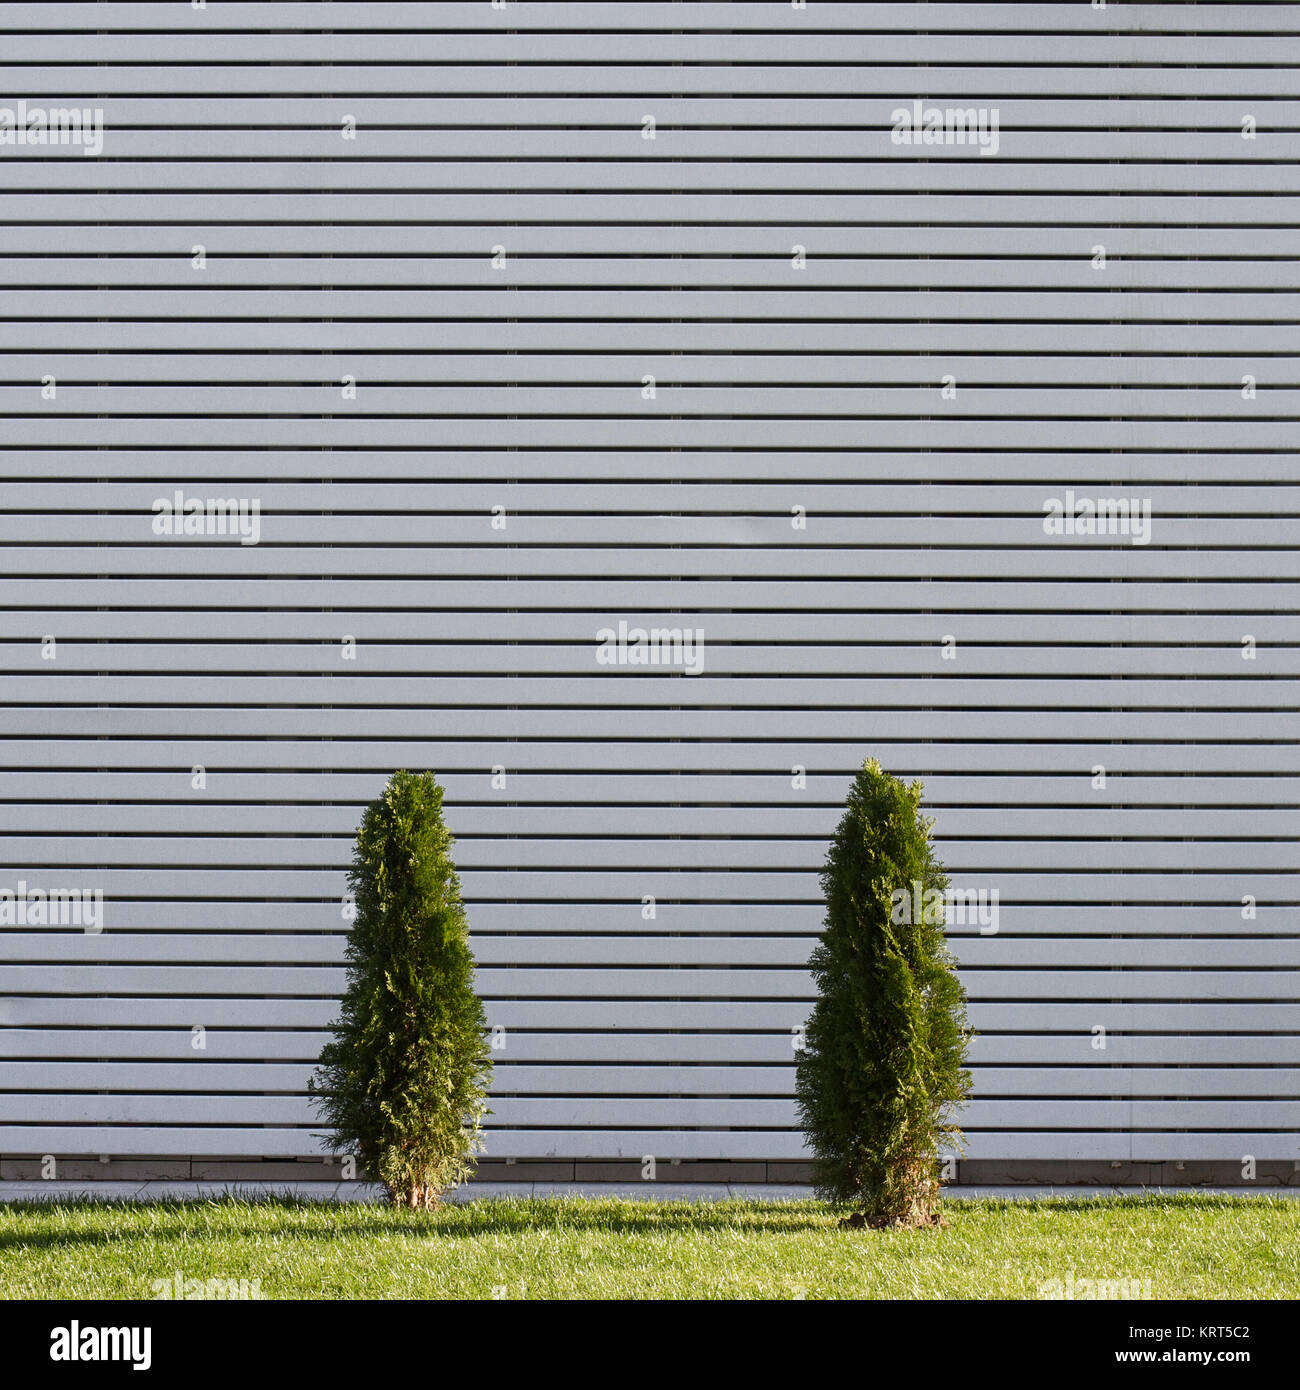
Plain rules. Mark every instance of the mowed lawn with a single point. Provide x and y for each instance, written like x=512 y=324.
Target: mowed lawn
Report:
x=1185 y=1246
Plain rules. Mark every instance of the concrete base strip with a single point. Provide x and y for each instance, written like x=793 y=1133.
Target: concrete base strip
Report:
x=161 y=1191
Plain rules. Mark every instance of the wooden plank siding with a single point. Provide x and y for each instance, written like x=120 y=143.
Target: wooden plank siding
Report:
x=512 y=325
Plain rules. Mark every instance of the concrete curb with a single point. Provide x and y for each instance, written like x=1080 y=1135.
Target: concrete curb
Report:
x=111 y=1191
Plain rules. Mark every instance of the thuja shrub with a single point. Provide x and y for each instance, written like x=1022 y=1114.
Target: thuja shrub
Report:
x=402 y=1084
x=882 y=1072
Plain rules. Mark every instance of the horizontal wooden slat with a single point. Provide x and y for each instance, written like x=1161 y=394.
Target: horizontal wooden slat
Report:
x=646 y=335
x=252 y=963
x=175 y=927
x=788 y=42
x=813 y=146
x=688 y=886
x=757 y=854
x=664 y=596
x=517 y=66
x=1159 y=642
x=1018 y=1053
x=1071 y=757
x=1160 y=249
x=768 y=1015
x=671 y=1113
x=456 y=542
x=664 y=15
x=323 y=792
x=76 y=657
x=629 y=686
x=539 y=1079
x=624 y=400
x=642 y=431
x=786 y=821
x=273 y=1142
x=630 y=304
x=644 y=982
x=886 y=168
x=1035 y=209
x=509 y=722
x=774 y=370
x=977 y=953
x=1081 y=558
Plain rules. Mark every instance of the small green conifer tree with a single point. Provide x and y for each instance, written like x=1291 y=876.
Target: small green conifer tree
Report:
x=883 y=1068
x=402 y=1085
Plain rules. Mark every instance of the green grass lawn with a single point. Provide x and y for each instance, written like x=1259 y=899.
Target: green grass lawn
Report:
x=1186 y=1246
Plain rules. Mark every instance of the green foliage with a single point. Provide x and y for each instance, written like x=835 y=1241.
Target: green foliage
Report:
x=882 y=1072
x=402 y=1084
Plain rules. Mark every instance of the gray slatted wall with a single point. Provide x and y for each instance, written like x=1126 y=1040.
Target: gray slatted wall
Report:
x=510 y=383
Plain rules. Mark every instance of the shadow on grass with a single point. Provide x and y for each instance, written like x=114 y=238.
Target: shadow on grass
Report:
x=95 y=1223
x=104 y=1223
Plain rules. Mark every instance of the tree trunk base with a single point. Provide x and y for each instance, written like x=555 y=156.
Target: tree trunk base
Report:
x=417 y=1198
x=914 y=1221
